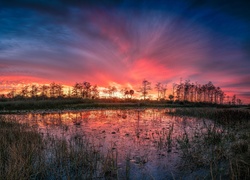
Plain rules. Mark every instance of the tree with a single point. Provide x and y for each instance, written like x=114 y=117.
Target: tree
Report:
x=158 y=88
x=12 y=93
x=111 y=91
x=59 y=90
x=94 y=92
x=145 y=88
x=56 y=90
x=239 y=101
x=126 y=93
x=174 y=86
x=171 y=97
x=86 y=89
x=161 y=90
x=34 y=91
x=25 y=91
x=44 y=89
x=52 y=90
x=234 y=99
x=77 y=90
x=131 y=92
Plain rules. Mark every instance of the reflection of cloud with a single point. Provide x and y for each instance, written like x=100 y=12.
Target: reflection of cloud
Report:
x=125 y=42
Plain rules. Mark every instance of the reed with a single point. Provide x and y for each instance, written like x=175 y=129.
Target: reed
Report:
x=26 y=154
x=223 y=150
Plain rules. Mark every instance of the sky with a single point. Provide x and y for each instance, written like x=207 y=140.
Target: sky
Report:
x=122 y=42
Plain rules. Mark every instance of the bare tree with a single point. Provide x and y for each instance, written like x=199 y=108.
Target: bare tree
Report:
x=145 y=88
x=94 y=92
x=234 y=100
x=112 y=90
x=59 y=90
x=158 y=87
x=86 y=89
x=77 y=90
x=163 y=91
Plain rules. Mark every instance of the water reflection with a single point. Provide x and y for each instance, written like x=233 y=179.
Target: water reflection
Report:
x=144 y=138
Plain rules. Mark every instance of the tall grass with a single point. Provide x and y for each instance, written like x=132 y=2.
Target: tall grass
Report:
x=222 y=116
x=222 y=146
x=26 y=154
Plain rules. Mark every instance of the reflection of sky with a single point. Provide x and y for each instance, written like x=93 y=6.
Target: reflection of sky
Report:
x=133 y=134
x=126 y=41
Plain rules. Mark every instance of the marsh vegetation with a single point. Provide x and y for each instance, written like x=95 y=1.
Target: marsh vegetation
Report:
x=205 y=143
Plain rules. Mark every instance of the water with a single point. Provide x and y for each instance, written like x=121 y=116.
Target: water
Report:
x=144 y=139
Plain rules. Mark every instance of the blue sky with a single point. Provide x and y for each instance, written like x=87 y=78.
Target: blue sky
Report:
x=126 y=41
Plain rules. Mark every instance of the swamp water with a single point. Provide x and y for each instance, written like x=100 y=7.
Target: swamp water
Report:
x=144 y=141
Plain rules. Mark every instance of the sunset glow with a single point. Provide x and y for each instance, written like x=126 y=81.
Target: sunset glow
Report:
x=120 y=43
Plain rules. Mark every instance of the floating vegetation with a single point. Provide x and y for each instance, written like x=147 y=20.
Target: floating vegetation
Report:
x=147 y=144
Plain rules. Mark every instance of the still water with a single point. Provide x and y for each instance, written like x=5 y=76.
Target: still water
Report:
x=146 y=138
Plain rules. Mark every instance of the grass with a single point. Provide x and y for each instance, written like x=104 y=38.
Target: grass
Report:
x=222 y=147
x=222 y=116
x=78 y=103
x=26 y=154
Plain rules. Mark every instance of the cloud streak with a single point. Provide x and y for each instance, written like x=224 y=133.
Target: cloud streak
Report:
x=125 y=42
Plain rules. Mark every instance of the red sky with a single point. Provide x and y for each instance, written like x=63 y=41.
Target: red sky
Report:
x=124 y=43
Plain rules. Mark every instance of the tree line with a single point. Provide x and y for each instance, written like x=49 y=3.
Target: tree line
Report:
x=208 y=93
x=180 y=92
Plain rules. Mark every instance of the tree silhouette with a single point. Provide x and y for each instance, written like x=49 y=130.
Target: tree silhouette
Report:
x=56 y=90
x=44 y=89
x=77 y=90
x=94 y=92
x=158 y=88
x=25 y=91
x=34 y=91
x=171 y=97
x=145 y=88
x=112 y=90
x=234 y=100
x=126 y=93
x=86 y=90
x=184 y=91
x=131 y=92
x=12 y=93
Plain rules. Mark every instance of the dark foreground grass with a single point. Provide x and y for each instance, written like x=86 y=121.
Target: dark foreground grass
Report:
x=26 y=154
x=220 y=115
x=221 y=146
x=221 y=149
x=78 y=103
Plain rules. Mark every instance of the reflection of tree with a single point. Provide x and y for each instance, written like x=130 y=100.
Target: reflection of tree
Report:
x=137 y=130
